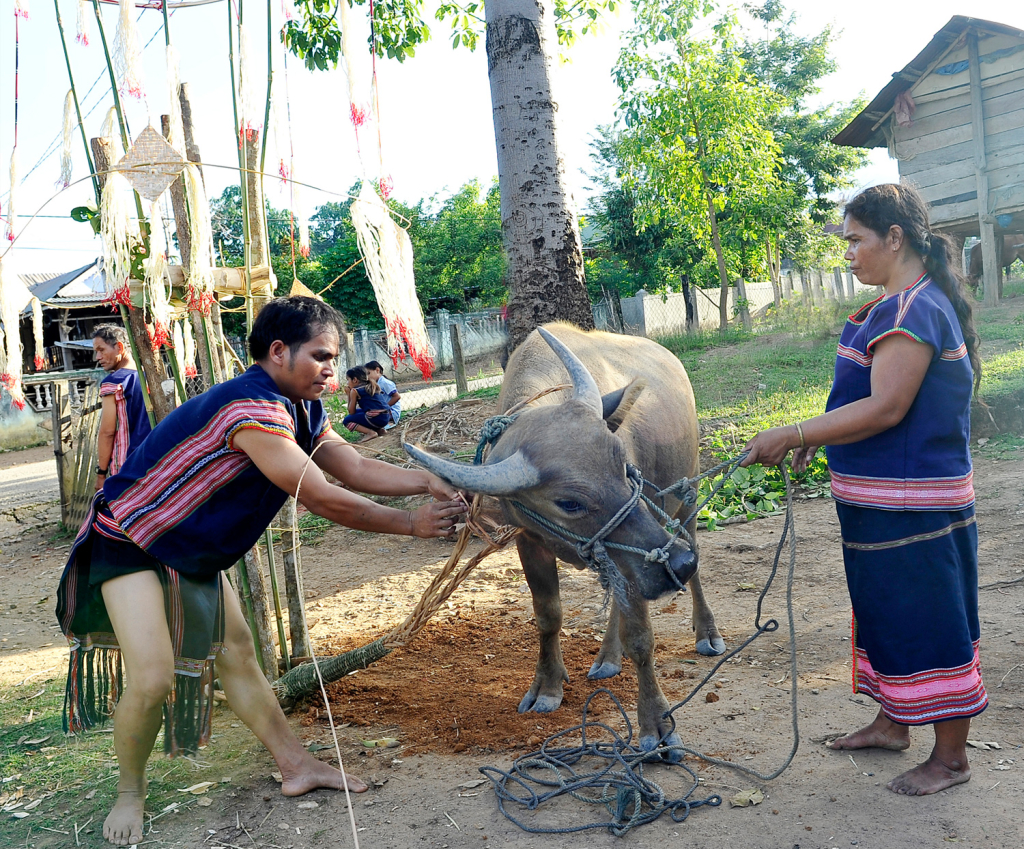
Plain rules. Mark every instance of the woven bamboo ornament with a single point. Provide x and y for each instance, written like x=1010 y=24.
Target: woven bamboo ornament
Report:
x=387 y=255
x=199 y=289
x=12 y=194
x=176 y=137
x=83 y=23
x=127 y=52
x=67 y=139
x=189 y=351
x=155 y=286
x=10 y=370
x=116 y=232
x=21 y=9
x=38 y=360
x=151 y=165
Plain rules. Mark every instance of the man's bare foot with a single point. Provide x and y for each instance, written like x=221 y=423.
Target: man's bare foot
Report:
x=882 y=733
x=123 y=825
x=930 y=777
x=313 y=774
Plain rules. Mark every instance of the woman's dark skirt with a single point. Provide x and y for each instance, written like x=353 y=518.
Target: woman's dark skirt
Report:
x=913 y=580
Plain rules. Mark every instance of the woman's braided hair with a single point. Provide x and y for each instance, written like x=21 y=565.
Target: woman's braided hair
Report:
x=881 y=207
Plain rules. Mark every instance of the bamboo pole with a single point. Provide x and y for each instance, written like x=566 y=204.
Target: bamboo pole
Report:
x=260 y=615
x=282 y=641
x=290 y=543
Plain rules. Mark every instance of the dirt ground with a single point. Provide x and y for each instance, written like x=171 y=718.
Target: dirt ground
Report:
x=450 y=700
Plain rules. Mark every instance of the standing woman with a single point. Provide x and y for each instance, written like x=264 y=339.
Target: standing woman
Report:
x=124 y=422
x=897 y=427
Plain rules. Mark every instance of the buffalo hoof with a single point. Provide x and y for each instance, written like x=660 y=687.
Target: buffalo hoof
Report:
x=711 y=648
x=649 y=743
x=604 y=670
x=539 y=704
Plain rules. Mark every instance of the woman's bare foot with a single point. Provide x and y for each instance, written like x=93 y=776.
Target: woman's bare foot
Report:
x=368 y=436
x=123 y=825
x=312 y=774
x=930 y=777
x=882 y=733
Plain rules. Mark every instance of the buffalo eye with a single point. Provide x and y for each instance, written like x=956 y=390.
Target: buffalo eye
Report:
x=570 y=506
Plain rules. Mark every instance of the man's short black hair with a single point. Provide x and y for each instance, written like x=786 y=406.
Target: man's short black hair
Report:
x=294 y=321
x=375 y=366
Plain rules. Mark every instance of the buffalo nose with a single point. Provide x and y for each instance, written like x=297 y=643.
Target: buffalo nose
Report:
x=683 y=564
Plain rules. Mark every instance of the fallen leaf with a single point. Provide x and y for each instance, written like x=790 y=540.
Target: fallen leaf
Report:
x=90 y=794
x=317 y=747
x=747 y=797
x=38 y=740
x=308 y=806
x=469 y=785
x=277 y=777
x=34 y=804
x=740 y=588
x=17 y=815
x=197 y=789
x=205 y=802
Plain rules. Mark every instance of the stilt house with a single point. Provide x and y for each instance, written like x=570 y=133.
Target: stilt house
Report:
x=954 y=120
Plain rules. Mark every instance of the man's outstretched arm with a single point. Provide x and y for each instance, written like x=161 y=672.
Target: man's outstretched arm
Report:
x=284 y=463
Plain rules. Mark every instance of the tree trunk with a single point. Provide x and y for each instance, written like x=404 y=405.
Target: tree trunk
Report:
x=539 y=227
x=723 y=275
x=774 y=270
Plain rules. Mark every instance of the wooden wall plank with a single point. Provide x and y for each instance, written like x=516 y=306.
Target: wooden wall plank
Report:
x=962 y=168
x=1001 y=144
x=910 y=144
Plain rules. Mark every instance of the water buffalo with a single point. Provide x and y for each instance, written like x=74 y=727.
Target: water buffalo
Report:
x=564 y=458
x=1009 y=248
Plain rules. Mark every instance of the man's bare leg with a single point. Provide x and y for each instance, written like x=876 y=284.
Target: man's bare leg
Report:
x=135 y=604
x=946 y=765
x=882 y=733
x=253 y=702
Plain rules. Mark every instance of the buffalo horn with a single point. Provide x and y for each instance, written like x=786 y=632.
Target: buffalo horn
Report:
x=585 y=387
x=506 y=477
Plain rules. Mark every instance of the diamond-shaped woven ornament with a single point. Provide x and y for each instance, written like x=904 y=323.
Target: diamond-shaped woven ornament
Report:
x=151 y=165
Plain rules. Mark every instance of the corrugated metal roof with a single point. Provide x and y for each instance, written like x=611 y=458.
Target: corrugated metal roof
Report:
x=82 y=287
x=861 y=132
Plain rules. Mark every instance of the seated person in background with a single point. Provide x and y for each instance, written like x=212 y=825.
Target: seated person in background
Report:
x=368 y=410
x=375 y=371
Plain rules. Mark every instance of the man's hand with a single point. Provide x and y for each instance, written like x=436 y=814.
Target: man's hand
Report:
x=437 y=519
x=441 y=490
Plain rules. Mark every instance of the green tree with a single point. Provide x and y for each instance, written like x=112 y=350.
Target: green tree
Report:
x=698 y=145
x=540 y=229
x=458 y=255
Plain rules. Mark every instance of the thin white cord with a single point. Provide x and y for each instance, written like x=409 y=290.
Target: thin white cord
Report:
x=316 y=663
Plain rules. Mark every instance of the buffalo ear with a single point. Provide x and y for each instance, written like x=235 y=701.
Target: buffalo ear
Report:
x=616 y=405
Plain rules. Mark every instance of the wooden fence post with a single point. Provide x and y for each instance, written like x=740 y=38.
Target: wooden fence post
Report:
x=461 y=384
x=850 y=287
x=260 y=623
x=742 y=304
x=837 y=277
x=290 y=542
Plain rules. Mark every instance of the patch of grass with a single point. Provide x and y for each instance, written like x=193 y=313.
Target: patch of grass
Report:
x=75 y=777
x=1003 y=446
x=486 y=392
x=1003 y=374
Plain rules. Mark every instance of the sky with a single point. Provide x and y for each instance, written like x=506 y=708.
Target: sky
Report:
x=435 y=126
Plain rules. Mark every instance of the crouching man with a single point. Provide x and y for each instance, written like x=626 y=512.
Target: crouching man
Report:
x=144 y=584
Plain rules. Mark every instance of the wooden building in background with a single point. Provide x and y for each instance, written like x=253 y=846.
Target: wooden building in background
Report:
x=954 y=120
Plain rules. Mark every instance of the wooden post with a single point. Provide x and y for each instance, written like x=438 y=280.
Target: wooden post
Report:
x=260 y=615
x=990 y=273
x=57 y=418
x=805 y=288
x=837 y=277
x=461 y=384
x=149 y=361
x=290 y=542
x=742 y=305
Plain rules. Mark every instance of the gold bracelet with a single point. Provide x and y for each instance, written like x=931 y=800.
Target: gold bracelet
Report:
x=800 y=433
